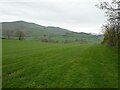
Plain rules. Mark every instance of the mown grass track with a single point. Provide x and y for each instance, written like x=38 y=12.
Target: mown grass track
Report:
x=47 y=65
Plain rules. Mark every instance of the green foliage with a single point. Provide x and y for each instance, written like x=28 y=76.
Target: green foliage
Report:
x=110 y=35
x=41 y=65
x=112 y=29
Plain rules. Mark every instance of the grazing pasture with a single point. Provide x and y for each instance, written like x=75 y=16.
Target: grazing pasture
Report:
x=33 y=64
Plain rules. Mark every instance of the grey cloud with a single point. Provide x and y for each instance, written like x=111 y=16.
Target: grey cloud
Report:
x=62 y=12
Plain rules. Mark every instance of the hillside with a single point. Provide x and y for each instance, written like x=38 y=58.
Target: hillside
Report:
x=38 y=32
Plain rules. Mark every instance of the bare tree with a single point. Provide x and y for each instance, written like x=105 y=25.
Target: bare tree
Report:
x=20 y=34
x=8 y=33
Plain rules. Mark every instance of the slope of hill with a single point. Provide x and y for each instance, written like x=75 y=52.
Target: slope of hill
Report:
x=38 y=32
x=32 y=29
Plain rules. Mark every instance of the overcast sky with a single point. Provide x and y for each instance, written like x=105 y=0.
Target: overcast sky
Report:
x=75 y=15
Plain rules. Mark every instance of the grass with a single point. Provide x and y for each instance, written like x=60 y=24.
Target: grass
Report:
x=30 y=64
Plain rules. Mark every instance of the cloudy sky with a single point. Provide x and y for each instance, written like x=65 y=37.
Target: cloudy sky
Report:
x=75 y=15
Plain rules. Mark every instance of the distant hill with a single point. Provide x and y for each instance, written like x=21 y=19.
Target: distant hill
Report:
x=38 y=32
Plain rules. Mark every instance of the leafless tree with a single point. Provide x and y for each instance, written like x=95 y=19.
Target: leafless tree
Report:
x=20 y=34
x=8 y=33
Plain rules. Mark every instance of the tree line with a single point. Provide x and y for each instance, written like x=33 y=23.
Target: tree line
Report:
x=112 y=28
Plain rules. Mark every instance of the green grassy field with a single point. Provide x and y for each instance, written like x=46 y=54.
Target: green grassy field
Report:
x=48 y=65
